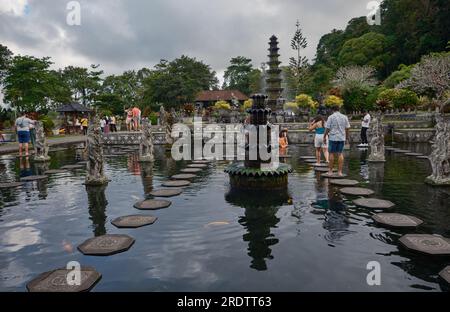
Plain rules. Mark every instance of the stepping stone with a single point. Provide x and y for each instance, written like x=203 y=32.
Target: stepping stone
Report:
x=58 y=149
x=191 y=170
x=344 y=182
x=133 y=222
x=397 y=220
x=73 y=167
x=166 y=192
x=445 y=274
x=54 y=171
x=204 y=162
x=401 y=151
x=310 y=161
x=152 y=204
x=183 y=176
x=321 y=169
x=120 y=154
x=413 y=154
x=198 y=166
x=307 y=157
x=423 y=157
x=34 y=178
x=9 y=185
x=82 y=163
x=374 y=203
x=428 y=244
x=106 y=245
x=179 y=183
x=56 y=281
x=333 y=176
x=285 y=156
x=356 y=191
x=320 y=165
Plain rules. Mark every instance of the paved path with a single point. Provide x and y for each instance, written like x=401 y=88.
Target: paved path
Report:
x=14 y=147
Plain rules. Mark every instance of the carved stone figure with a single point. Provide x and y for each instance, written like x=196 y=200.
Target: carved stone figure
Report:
x=41 y=145
x=162 y=116
x=169 y=123
x=95 y=171
x=377 y=151
x=440 y=156
x=146 y=146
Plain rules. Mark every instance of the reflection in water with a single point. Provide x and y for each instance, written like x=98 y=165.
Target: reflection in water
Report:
x=260 y=217
x=376 y=176
x=25 y=168
x=364 y=171
x=134 y=166
x=147 y=177
x=97 y=208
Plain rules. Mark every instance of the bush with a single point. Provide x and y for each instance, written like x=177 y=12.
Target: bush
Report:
x=356 y=98
x=333 y=100
x=305 y=101
x=189 y=109
x=247 y=105
x=291 y=106
x=398 y=98
x=7 y=124
x=48 y=123
x=153 y=118
x=222 y=105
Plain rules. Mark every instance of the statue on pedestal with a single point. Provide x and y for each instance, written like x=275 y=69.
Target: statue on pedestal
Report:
x=146 y=146
x=377 y=150
x=41 y=145
x=95 y=171
x=440 y=156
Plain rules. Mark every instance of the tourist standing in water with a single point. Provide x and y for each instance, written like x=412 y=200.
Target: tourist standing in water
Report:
x=318 y=126
x=337 y=134
x=364 y=128
x=23 y=124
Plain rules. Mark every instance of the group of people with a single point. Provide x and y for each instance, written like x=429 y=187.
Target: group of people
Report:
x=133 y=119
x=331 y=136
x=108 y=124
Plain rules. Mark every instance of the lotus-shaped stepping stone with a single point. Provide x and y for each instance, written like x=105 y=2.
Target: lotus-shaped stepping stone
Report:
x=200 y=166
x=333 y=176
x=397 y=220
x=106 y=245
x=9 y=185
x=166 y=192
x=34 y=178
x=179 y=183
x=356 y=191
x=134 y=221
x=186 y=176
x=152 y=204
x=344 y=182
x=373 y=203
x=445 y=274
x=427 y=244
x=56 y=281
x=191 y=170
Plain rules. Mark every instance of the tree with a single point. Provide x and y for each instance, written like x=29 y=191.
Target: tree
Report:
x=5 y=61
x=255 y=79
x=177 y=82
x=83 y=83
x=299 y=63
x=370 y=49
x=238 y=75
x=30 y=86
x=403 y=73
x=431 y=77
x=355 y=76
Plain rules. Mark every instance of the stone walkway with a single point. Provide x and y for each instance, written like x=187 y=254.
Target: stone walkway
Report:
x=7 y=148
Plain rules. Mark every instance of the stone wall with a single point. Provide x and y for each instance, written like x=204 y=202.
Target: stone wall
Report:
x=404 y=132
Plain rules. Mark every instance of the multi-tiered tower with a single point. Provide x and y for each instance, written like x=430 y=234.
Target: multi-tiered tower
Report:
x=274 y=88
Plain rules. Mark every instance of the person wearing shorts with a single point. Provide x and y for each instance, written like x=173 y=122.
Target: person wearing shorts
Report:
x=318 y=126
x=129 y=119
x=337 y=134
x=23 y=124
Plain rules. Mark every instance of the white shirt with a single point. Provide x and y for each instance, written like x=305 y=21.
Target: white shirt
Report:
x=337 y=125
x=102 y=123
x=366 y=121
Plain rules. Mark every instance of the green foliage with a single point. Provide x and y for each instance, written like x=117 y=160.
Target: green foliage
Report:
x=177 y=82
x=7 y=124
x=403 y=73
x=355 y=99
x=369 y=49
x=305 y=101
x=247 y=105
x=291 y=106
x=239 y=74
x=298 y=64
x=222 y=105
x=48 y=123
x=5 y=61
x=30 y=86
x=84 y=83
x=255 y=79
x=398 y=98
x=332 y=100
x=153 y=118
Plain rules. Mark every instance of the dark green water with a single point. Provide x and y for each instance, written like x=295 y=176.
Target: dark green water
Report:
x=309 y=239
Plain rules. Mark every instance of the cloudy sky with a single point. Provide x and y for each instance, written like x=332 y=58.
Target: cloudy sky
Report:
x=131 y=34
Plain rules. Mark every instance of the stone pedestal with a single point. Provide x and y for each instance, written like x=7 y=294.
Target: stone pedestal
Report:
x=95 y=171
x=440 y=156
x=41 y=146
x=377 y=151
x=146 y=146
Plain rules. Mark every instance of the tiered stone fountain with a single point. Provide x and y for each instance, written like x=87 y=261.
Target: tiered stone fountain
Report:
x=258 y=173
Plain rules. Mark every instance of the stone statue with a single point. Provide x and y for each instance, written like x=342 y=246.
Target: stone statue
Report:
x=377 y=151
x=169 y=123
x=146 y=146
x=440 y=156
x=162 y=116
x=95 y=171
x=41 y=145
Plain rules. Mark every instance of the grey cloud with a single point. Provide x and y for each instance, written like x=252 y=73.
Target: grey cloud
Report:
x=129 y=34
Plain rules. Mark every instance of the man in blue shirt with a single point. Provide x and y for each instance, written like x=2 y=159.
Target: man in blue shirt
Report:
x=337 y=134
